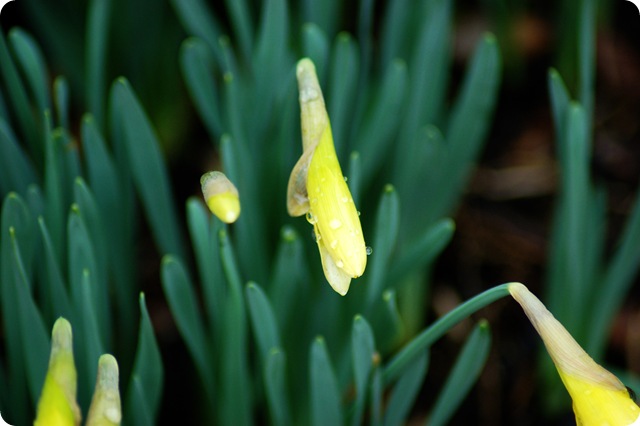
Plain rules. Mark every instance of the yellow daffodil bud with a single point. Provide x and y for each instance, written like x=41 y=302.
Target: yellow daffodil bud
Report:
x=105 y=406
x=57 y=405
x=318 y=189
x=599 y=397
x=221 y=196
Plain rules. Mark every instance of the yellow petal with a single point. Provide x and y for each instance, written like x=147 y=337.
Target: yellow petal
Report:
x=331 y=205
x=221 y=196
x=599 y=397
x=105 y=407
x=337 y=278
x=57 y=405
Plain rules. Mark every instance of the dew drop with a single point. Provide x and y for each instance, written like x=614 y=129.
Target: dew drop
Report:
x=334 y=244
x=335 y=224
x=346 y=178
x=339 y=264
x=358 y=213
x=344 y=199
x=310 y=218
x=368 y=250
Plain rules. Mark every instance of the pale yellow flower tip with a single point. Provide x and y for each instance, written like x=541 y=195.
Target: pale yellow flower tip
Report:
x=105 y=406
x=317 y=188
x=221 y=196
x=57 y=405
x=599 y=397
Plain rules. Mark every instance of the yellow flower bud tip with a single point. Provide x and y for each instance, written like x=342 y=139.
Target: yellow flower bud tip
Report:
x=599 y=397
x=317 y=187
x=105 y=407
x=221 y=196
x=57 y=405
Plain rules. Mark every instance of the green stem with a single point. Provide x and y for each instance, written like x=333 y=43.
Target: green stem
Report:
x=439 y=328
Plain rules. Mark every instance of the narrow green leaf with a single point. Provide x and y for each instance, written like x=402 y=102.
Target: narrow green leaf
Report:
x=385 y=234
x=181 y=298
x=287 y=283
x=560 y=100
x=426 y=338
x=315 y=45
x=31 y=61
x=325 y=14
x=249 y=228
x=465 y=373
x=429 y=65
x=265 y=327
x=576 y=190
x=376 y=397
x=406 y=390
x=35 y=201
x=275 y=386
x=617 y=279
x=147 y=165
x=469 y=122
x=381 y=124
x=16 y=169
x=325 y=393
x=54 y=187
x=145 y=386
x=341 y=96
x=88 y=338
x=54 y=289
x=242 y=26
x=82 y=261
x=61 y=100
x=587 y=58
x=113 y=195
x=204 y=229
x=15 y=218
x=92 y=217
x=198 y=20
x=393 y=35
x=34 y=337
x=387 y=321
x=98 y=16
x=362 y=356
x=423 y=250
x=235 y=390
x=355 y=176
x=271 y=61
x=197 y=64
x=19 y=103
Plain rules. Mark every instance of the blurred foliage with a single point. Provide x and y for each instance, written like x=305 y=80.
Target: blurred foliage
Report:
x=86 y=185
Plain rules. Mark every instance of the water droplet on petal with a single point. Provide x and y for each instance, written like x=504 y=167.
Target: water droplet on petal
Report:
x=334 y=244
x=344 y=199
x=346 y=178
x=310 y=218
x=368 y=250
x=339 y=264
x=358 y=213
x=335 y=224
